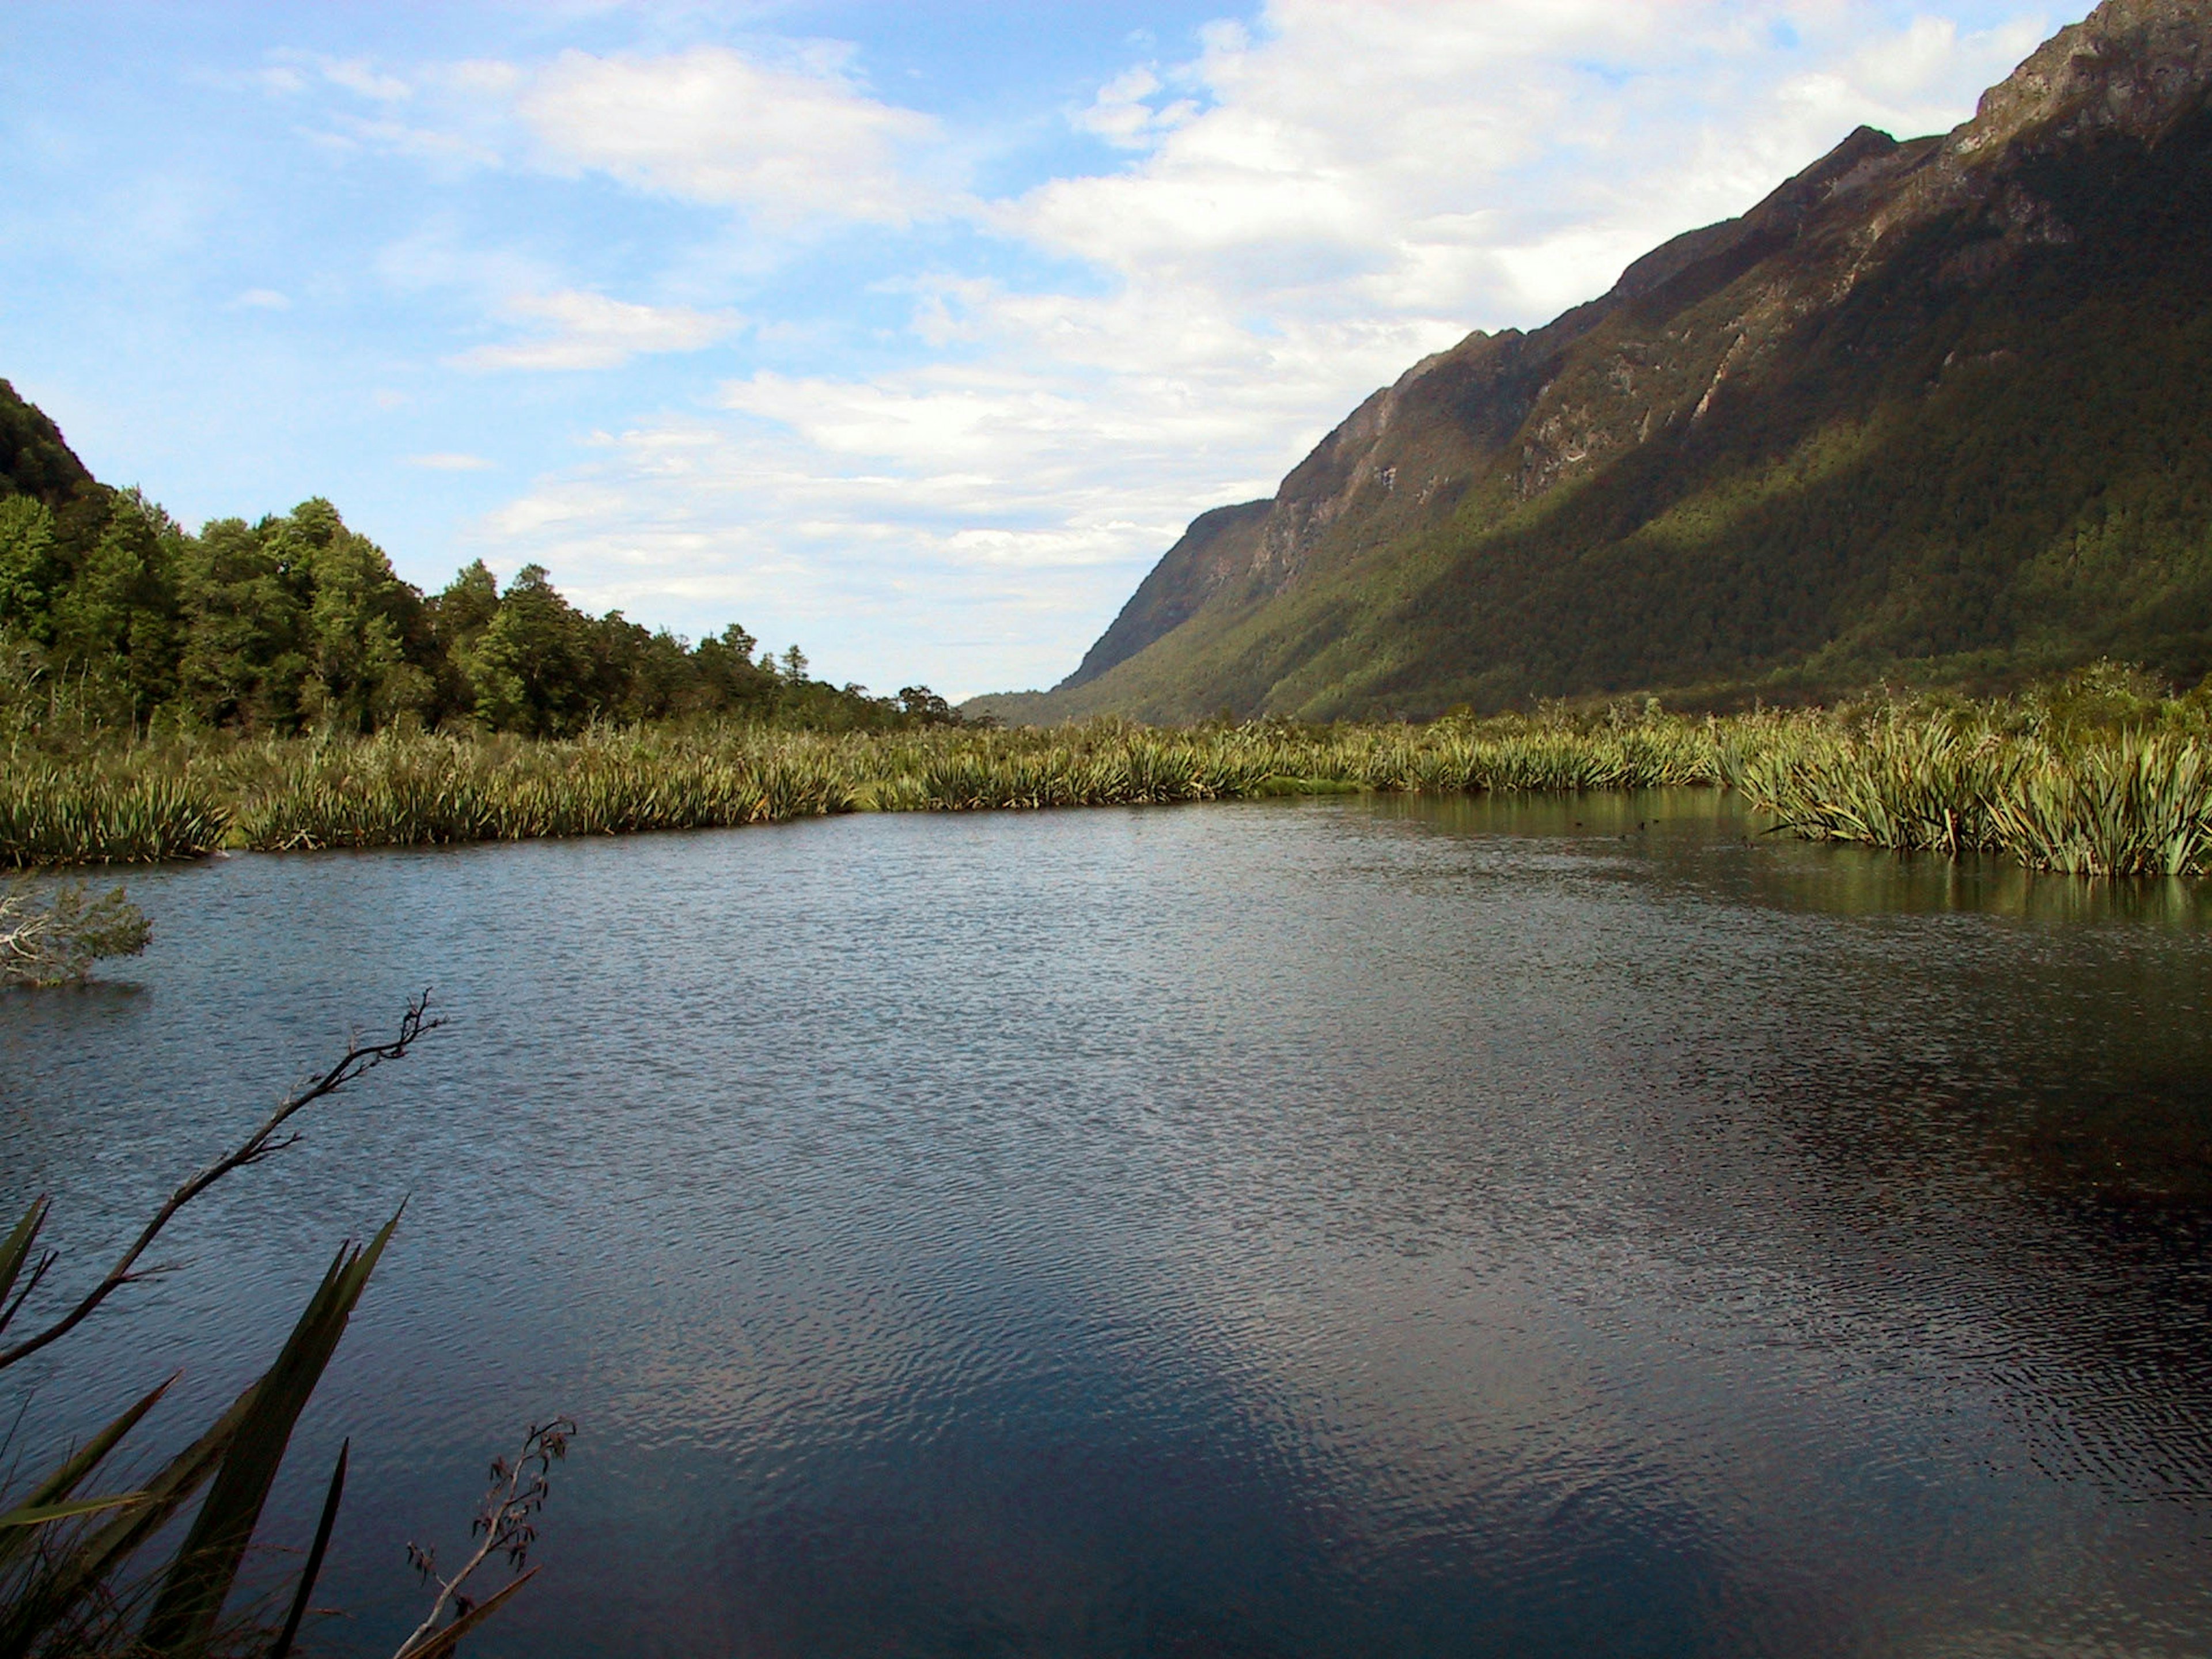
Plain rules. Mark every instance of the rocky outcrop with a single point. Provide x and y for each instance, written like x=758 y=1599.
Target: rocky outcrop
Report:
x=2132 y=66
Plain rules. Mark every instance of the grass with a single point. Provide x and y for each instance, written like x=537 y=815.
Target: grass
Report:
x=2108 y=793
x=2133 y=805
x=106 y=814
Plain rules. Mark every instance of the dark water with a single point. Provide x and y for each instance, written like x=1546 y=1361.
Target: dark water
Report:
x=1293 y=1228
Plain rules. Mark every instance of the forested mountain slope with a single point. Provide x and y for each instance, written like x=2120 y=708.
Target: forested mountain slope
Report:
x=1942 y=407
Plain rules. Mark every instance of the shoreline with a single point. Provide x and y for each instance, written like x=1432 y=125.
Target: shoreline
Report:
x=2132 y=799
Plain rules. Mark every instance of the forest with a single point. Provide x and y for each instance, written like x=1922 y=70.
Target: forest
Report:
x=295 y=624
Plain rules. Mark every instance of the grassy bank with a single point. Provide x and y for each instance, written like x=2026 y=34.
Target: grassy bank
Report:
x=177 y=798
x=2124 y=793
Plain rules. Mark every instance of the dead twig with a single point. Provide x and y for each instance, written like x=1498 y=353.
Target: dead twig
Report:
x=359 y=1057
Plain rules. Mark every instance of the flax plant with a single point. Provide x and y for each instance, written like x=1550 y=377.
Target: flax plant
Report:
x=2013 y=779
x=106 y=815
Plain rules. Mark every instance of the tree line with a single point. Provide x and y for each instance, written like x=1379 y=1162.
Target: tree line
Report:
x=297 y=623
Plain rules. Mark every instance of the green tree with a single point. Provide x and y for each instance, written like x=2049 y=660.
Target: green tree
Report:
x=531 y=669
x=245 y=661
x=110 y=609
x=29 y=571
x=457 y=618
x=461 y=613
x=648 y=676
x=924 y=706
x=730 y=681
x=117 y=621
x=360 y=616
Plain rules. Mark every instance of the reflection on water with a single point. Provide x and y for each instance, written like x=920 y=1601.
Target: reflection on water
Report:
x=1580 y=1226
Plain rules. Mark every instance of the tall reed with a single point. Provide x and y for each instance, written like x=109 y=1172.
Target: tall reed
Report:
x=87 y=815
x=2124 y=804
x=403 y=791
x=1989 y=779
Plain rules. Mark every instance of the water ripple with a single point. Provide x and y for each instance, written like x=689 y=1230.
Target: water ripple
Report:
x=1289 y=1228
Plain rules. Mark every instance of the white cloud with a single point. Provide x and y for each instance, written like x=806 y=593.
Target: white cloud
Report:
x=357 y=75
x=932 y=579
x=439 y=255
x=289 y=73
x=442 y=149
x=263 y=298
x=480 y=78
x=788 y=136
x=1124 y=114
x=1307 y=207
x=711 y=125
x=449 y=461
x=581 y=330
x=1497 y=161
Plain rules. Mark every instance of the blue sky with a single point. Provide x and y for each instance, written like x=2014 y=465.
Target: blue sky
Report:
x=910 y=332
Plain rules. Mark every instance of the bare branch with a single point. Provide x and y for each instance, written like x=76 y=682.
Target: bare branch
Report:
x=58 y=944
x=505 y=1520
x=359 y=1058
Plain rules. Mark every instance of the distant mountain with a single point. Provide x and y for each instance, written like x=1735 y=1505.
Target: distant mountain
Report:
x=1940 y=409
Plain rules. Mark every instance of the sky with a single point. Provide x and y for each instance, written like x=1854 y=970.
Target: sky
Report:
x=913 y=333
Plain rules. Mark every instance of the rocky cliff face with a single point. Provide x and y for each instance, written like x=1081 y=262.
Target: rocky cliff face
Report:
x=1495 y=482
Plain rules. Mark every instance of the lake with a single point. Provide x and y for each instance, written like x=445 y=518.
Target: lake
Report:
x=1347 y=1226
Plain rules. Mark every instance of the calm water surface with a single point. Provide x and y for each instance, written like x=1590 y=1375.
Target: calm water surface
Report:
x=1291 y=1228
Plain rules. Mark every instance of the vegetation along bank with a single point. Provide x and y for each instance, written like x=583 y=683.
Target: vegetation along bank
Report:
x=2095 y=776
x=275 y=685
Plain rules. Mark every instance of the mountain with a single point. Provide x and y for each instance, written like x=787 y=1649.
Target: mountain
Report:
x=1940 y=409
x=33 y=459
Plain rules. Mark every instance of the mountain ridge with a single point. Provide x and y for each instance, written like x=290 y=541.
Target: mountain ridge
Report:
x=1629 y=472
